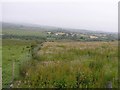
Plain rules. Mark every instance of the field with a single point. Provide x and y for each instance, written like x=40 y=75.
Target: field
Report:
x=13 y=51
x=23 y=32
x=0 y=64
x=0 y=54
x=35 y=59
x=64 y=65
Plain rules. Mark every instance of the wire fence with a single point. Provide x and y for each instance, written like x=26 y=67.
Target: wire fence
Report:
x=11 y=74
x=0 y=78
x=11 y=68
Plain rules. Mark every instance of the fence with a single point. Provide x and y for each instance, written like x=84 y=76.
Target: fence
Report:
x=13 y=72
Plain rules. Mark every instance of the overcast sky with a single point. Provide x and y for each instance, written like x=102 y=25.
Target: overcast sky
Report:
x=101 y=15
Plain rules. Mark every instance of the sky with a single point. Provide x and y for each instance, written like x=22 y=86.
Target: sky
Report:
x=97 y=15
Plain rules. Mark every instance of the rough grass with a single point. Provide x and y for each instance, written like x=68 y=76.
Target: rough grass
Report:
x=72 y=65
x=77 y=50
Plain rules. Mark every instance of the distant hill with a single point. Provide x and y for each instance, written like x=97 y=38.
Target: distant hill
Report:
x=6 y=25
x=23 y=29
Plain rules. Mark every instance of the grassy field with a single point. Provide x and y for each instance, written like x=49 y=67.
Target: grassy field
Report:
x=13 y=51
x=0 y=78
x=0 y=63
x=0 y=54
x=71 y=65
x=23 y=32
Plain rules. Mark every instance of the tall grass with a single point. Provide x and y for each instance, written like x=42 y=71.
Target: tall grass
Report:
x=77 y=65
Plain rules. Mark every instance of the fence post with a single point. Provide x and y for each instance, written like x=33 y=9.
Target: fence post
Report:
x=13 y=67
x=13 y=64
x=109 y=84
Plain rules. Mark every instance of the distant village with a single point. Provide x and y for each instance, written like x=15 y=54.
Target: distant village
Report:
x=94 y=36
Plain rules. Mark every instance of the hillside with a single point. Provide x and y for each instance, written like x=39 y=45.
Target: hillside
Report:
x=54 y=33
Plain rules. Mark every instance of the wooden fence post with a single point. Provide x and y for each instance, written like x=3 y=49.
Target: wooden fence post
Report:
x=13 y=65
x=109 y=84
